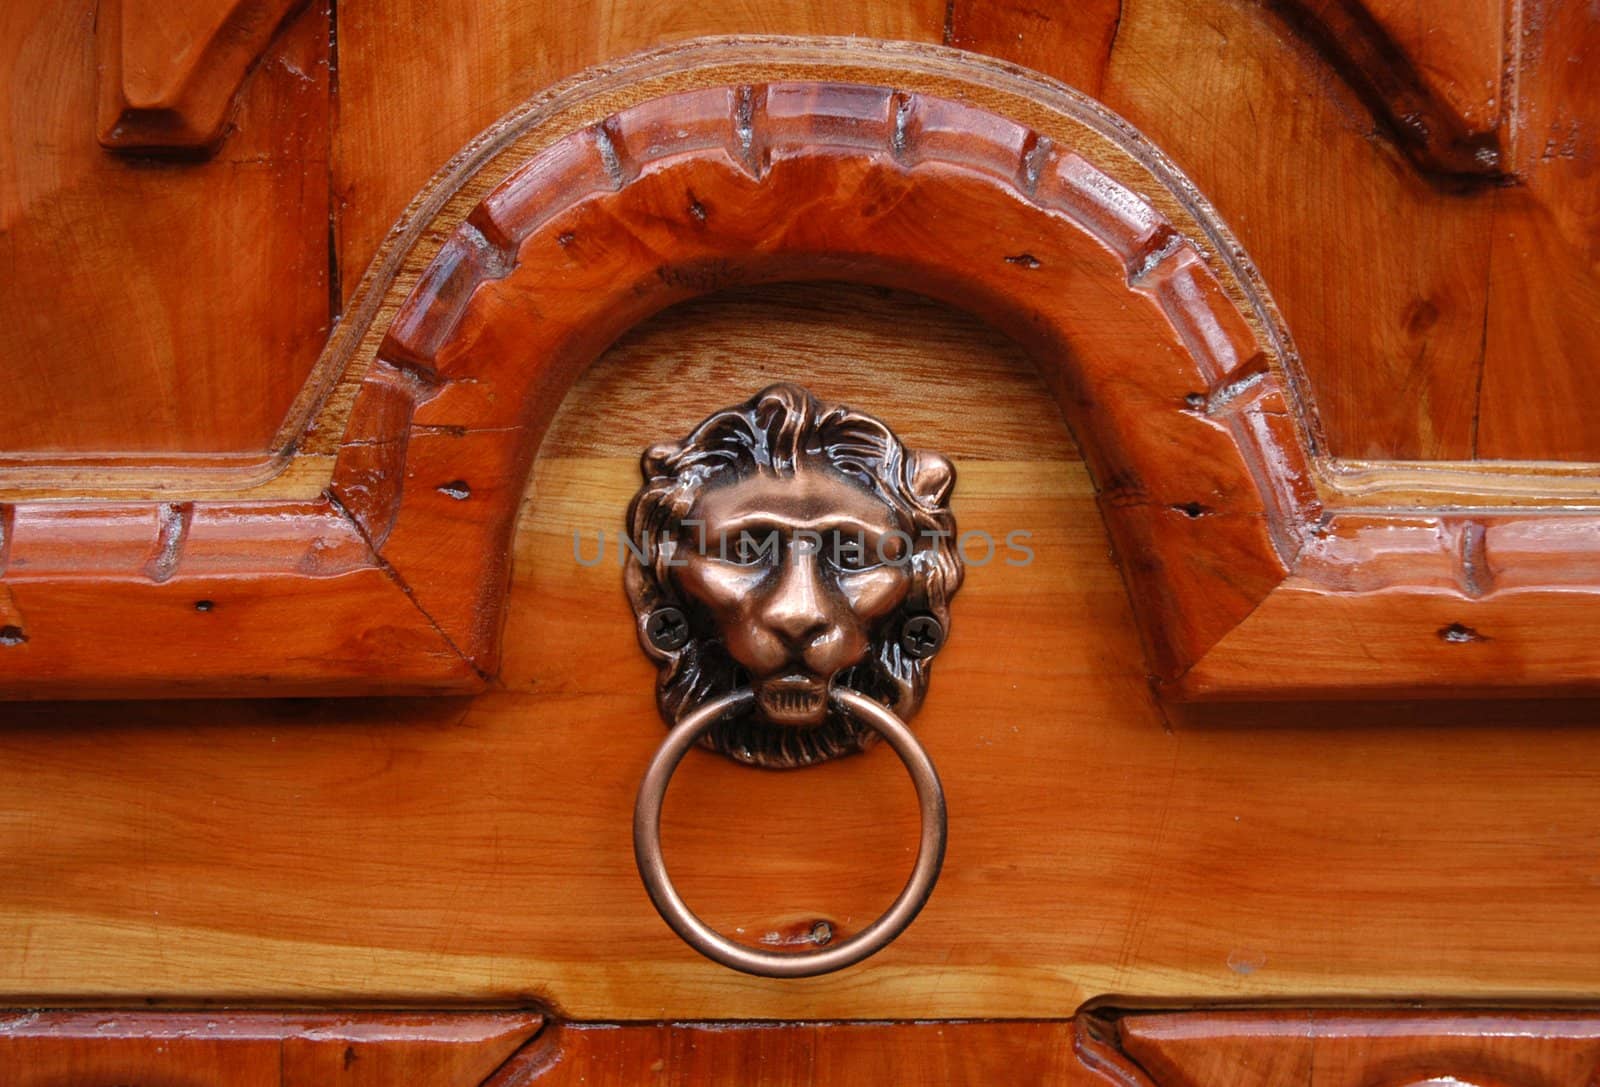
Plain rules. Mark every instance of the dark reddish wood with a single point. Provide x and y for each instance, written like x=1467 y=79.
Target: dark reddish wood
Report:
x=170 y=74
x=258 y=1049
x=1362 y=1049
x=1311 y=182
x=1071 y=1054
x=1267 y=1048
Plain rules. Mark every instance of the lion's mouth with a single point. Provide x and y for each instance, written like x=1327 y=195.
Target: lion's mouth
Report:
x=793 y=700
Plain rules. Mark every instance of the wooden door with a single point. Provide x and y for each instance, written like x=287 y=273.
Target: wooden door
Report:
x=1256 y=338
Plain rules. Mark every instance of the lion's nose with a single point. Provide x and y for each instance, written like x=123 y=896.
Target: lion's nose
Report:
x=796 y=610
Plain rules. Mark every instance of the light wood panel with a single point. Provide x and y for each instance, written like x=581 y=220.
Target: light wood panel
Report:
x=479 y=849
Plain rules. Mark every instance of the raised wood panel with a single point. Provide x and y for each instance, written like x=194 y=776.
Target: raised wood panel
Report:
x=453 y=849
x=1329 y=1048
x=1446 y=224
x=1264 y=1048
x=258 y=1049
x=771 y=1055
x=155 y=305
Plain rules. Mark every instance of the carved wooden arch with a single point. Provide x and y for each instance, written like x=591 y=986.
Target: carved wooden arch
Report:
x=699 y=167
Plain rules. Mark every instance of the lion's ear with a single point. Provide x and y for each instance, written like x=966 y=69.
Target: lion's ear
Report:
x=654 y=462
x=930 y=477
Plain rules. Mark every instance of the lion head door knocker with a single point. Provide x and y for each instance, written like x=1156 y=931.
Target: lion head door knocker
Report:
x=791 y=572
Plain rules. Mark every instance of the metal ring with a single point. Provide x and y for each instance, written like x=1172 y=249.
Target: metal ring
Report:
x=712 y=944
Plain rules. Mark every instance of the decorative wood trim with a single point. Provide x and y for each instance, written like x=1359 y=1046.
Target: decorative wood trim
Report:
x=1265 y=1048
x=170 y=73
x=755 y=160
x=1336 y=1048
x=247 y=1048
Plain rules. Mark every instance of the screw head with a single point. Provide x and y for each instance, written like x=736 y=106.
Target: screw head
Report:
x=921 y=637
x=667 y=629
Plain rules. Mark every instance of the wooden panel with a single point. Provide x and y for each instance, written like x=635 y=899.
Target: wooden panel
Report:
x=1268 y=1048
x=1099 y=844
x=257 y=1049
x=1380 y=275
x=529 y=260
x=1361 y=1049
x=397 y=63
x=170 y=74
x=736 y=1055
x=152 y=304
x=1434 y=85
x=575 y=218
x=1540 y=398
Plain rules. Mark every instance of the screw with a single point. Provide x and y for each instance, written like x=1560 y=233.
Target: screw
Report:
x=822 y=934
x=921 y=637
x=667 y=629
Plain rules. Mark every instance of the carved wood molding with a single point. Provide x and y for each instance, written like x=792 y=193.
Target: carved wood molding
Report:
x=286 y=1049
x=170 y=73
x=1337 y=1048
x=1267 y=1048
x=755 y=160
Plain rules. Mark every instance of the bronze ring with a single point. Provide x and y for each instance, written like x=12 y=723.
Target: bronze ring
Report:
x=712 y=944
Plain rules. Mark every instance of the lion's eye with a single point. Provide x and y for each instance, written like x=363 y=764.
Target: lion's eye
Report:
x=751 y=549
x=850 y=553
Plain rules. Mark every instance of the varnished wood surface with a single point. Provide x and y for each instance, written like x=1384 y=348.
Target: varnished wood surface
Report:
x=1412 y=188
x=226 y=1048
x=156 y=307
x=672 y=177
x=770 y=1055
x=1200 y=1048
x=1330 y=1048
x=1100 y=844
x=170 y=75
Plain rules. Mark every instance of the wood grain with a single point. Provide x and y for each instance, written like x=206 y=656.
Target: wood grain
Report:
x=1101 y=845
x=770 y=1055
x=1293 y=161
x=258 y=1049
x=485 y=58
x=1539 y=399
x=1446 y=161
x=1330 y=1048
x=1265 y=1048
x=467 y=306
x=170 y=75
x=671 y=178
x=156 y=308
